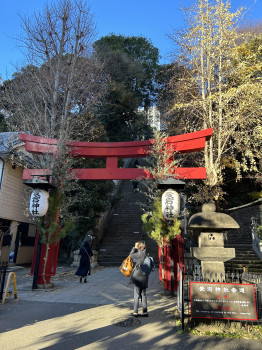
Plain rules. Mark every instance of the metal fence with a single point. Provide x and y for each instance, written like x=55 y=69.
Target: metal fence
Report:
x=193 y=273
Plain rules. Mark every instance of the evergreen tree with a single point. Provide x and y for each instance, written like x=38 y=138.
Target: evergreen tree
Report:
x=130 y=66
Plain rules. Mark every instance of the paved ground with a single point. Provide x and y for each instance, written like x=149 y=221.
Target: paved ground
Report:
x=96 y=315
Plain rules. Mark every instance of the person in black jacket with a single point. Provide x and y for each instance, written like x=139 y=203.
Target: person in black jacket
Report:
x=140 y=281
x=84 y=268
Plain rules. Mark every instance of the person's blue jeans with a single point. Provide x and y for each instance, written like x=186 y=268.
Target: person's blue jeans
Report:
x=140 y=293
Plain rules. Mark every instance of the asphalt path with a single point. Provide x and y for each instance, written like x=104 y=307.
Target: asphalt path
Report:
x=96 y=315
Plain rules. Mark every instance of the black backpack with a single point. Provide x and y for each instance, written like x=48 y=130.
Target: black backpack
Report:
x=147 y=266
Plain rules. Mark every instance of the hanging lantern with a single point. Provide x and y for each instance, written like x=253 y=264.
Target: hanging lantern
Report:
x=39 y=202
x=170 y=204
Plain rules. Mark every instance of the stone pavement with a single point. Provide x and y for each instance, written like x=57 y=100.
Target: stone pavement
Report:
x=105 y=286
x=96 y=316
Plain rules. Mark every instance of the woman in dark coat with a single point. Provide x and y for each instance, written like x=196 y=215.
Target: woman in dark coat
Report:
x=140 y=281
x=84 y=268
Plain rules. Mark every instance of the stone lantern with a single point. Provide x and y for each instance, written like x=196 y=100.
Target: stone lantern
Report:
x=209 y=225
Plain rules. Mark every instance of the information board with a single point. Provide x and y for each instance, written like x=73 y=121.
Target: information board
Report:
x=223 y=301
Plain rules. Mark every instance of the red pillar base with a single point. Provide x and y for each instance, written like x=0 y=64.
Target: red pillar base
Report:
x=51 y=264
x=178 y=256
x=42 y=285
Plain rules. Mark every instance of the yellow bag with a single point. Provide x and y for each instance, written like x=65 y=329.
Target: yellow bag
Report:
x=127 y=266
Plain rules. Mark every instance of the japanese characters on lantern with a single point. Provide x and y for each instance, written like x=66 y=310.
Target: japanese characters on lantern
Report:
x=39 y=202
x=170 y=204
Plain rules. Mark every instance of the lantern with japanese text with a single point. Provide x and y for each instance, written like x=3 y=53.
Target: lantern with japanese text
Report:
x=170 y=204
x=39 y=202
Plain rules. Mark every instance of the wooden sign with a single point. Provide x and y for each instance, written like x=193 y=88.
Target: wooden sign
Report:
x=223 y=301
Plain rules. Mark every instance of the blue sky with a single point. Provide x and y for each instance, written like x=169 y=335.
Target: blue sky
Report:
x=153 y=19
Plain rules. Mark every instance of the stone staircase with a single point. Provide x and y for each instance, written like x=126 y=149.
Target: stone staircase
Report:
x=245 y=258
x=124 y=229
x=241 y=240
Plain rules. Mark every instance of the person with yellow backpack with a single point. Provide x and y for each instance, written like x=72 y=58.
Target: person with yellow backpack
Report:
x=139 y=276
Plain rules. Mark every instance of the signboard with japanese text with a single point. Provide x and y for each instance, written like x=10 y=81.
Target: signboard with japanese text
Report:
x=223 y=301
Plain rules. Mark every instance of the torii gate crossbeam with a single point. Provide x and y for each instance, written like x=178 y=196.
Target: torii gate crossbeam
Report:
x=112 y=151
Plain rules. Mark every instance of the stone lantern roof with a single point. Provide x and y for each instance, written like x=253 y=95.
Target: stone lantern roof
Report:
x=209 y=220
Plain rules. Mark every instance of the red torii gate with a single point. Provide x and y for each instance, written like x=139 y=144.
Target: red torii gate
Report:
x=112 y=151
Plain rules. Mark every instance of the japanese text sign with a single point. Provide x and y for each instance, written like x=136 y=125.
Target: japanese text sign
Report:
x=223 y=301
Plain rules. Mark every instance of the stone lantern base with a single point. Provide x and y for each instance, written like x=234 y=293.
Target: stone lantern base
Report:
x=213 y=257
x=213 y=271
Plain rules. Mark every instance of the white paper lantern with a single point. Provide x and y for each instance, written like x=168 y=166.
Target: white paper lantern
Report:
x=39 y=202
x=170 y=204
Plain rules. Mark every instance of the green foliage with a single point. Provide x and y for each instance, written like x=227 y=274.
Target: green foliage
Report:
x=85 y=200
x=158 y=227
x=255 y=195
x=161 y=165
x=249 y=332
x=139 y=58
x=130 y=65
x=48 y=226
x=223 y=330
x=162 y=160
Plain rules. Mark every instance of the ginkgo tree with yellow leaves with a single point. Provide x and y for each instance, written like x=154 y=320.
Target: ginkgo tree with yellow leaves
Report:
x=221 y=90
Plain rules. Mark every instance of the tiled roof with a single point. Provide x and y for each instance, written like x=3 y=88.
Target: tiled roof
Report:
x=9 y=141
x=10 y=144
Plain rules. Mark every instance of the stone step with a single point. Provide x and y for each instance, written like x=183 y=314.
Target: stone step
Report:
x=250 y=256
x=245 y=256
x=240 y=266
x=245 y=253
x=244 y=243
x=247 y=262
x=124 y=229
